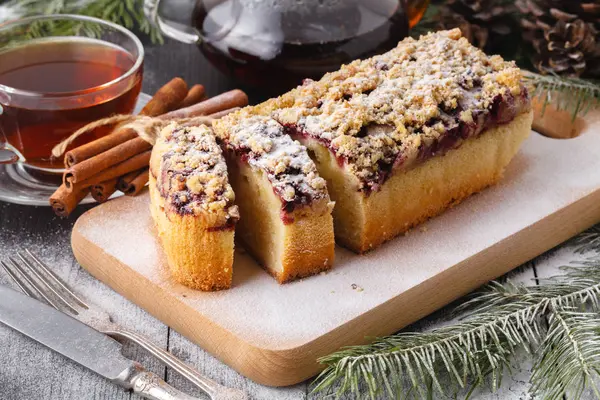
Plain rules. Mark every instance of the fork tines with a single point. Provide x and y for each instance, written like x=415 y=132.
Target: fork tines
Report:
x=45 y=283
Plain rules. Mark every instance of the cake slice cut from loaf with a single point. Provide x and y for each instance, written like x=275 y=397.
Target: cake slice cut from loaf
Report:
x=285 y=209
x=192 y=204
x=402 y=136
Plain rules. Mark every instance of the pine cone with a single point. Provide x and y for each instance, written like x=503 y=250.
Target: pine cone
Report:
x=485 y=23
x=564 y=35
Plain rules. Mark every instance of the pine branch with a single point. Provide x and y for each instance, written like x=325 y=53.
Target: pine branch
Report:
x=128 y=13
x=499 y=319
x=570 y=356
x=453 y=353
x=588 y=241
x=575 y=95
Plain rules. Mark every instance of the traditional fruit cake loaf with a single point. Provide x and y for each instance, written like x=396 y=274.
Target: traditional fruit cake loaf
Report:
x=402 y=136
x=192 y=204
x=285 y=210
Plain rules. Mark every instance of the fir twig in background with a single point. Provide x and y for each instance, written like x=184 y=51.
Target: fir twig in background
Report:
x=575 y=95
x=128 y=13
x=558 y=323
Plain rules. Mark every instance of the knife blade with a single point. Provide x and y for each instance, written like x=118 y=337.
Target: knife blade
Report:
x=63 y=334
x=82 y=344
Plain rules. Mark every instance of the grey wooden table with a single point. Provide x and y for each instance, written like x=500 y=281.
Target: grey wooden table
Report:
x=29 y=371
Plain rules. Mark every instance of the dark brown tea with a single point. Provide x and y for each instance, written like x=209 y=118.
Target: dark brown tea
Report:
x=274 y=45
x=66 y=79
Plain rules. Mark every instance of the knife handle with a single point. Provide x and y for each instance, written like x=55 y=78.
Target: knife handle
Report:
x=149 y=385
x=210 y=387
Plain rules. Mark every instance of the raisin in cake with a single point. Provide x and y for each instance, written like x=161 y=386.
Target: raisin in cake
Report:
x=285 y=210
x=402 y=136
x=192 y=204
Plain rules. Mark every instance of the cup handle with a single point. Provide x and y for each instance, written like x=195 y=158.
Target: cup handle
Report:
x=153 y=15
x=7 y=155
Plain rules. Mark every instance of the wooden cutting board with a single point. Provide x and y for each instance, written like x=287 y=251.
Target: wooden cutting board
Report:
x=274 y=333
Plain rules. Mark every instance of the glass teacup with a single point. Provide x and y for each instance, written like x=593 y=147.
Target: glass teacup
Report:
x=58 y=73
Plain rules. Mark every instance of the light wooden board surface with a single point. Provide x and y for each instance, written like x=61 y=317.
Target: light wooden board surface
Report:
x=273 y=333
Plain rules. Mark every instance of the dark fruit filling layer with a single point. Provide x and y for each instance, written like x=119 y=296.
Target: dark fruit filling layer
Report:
x=503 y=109
x=261 y=143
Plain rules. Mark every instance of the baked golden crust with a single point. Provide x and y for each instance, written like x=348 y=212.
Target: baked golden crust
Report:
x=363 y=222
x=285 y=209
x=297 y=250
x=431 y=187
x=192 y=206
x=309 y=246
x=398 y=138
x=197 y=258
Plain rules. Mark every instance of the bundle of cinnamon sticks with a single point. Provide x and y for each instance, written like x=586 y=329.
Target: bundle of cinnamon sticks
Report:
x=119 y=160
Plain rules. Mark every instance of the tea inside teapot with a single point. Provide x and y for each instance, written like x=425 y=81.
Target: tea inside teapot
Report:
x=274 y=44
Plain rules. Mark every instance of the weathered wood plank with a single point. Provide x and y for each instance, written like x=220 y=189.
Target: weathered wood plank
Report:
x=29 y=370
x=214 y=369
x=35 y=372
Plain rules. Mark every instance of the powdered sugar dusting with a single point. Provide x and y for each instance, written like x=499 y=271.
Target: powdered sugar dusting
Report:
x=428 y=95
x=546 y=176
x=265 y=145
x=193 y=174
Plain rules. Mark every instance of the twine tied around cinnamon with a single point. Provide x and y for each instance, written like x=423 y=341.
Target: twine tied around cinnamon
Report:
x=148 y=128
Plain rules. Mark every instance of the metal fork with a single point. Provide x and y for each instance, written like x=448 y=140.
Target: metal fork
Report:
x=51 y=289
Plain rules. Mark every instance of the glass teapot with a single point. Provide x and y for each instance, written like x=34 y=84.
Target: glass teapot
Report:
x=275 y=44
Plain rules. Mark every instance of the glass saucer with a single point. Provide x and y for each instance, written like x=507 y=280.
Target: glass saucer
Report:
x=18 y=186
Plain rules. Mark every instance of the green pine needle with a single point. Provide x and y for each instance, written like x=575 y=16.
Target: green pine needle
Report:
x=560 y=320
x=569 y=360
x=588 y=241
x=128 y=13
x=578 y=96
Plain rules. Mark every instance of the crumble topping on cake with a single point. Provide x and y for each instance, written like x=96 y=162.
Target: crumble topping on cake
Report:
x=263 y=143
x=416 y=101
x=194 y=174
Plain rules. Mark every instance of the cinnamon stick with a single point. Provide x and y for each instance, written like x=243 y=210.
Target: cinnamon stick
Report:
x=63 y=201
x=103 y=190
x=90 y=149
x=132 y=183
x=166 y=99
x=92 y=166
x=195 y=95
x=224 y=101
x=136 y=162
x=125 y=180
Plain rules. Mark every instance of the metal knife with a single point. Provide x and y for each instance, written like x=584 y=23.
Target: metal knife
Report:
x=82 y=344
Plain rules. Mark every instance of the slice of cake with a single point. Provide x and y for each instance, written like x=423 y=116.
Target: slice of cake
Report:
x=192 y=204
x=402 y=136
x=285 y=209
